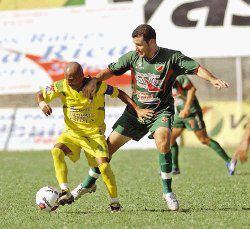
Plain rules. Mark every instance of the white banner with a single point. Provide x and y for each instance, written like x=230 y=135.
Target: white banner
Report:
x=207 y=28
x=35 y=44
x=6 y=121
x=32 y=130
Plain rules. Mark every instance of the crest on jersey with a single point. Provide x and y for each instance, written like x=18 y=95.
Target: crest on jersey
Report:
x=50 y=89
x=159 y=68
x=164 y=119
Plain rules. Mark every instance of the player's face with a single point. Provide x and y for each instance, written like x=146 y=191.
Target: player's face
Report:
x=75 y=81
x=141 y=46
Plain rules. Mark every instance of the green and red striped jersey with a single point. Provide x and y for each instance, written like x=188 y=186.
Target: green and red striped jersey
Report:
x=152 y=79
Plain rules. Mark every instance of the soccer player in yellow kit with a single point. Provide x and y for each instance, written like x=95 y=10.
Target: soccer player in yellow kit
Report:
x=85 y=128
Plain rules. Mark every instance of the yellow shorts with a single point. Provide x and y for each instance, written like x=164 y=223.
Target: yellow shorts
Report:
x=94 y=146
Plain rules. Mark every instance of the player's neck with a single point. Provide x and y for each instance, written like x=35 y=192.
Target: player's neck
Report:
x=153 y=52
x=83 y=83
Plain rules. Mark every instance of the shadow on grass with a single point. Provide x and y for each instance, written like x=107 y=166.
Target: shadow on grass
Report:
x=239 y=173
x=188 y=210
x=182 y=210
x=83 y=212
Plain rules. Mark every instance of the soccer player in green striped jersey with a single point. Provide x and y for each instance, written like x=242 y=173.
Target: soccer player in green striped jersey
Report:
x=189 y=116
x=153 y=70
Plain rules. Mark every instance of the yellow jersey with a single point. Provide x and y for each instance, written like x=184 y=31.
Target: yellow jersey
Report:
x=82 y=116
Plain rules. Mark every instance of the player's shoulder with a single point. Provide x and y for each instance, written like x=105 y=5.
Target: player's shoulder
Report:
x=169 y=52
x=59 y=85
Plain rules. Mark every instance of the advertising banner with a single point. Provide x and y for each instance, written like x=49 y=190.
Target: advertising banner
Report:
x=32 y=130
x=6 y=122
x=205 y=28
x=36 y=44
x=225 y=122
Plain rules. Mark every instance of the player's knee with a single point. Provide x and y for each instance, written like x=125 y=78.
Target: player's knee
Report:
x=60 y=150
x=103 y=167
x=163 y=146
x=102 y=160
x=57 y=152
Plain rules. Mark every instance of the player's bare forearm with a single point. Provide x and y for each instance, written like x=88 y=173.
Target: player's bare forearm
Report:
x=104 y=75
x=127 y=100
x=46 y=109
x=142 y=113
x=90 y=89
x=39 y=97
x=190 y=97
x=205 y=74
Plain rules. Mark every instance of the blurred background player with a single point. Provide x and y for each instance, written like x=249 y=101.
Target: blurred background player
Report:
x=243 y=148
x=189 y=115
x=153 y=70
x=85 y=128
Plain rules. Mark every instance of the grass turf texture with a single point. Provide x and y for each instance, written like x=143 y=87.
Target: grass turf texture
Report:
x=208 y=197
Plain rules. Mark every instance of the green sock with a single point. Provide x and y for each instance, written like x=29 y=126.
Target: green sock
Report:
x=175 y=154
x=217 y=148
x=165 y=161
x=93 y=175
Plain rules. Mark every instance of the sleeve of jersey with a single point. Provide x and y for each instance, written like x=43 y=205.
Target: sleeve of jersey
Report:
x=185 y=82
x=184 y=64
x=50 y=92
x=106 y=89
x=122 y=65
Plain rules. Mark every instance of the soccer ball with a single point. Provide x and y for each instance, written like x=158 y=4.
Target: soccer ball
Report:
x=46 y=199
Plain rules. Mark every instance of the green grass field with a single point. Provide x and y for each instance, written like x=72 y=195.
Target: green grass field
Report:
x=208 y=197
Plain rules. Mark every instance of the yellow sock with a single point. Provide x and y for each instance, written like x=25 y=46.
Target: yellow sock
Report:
x=60 y=166
x=109 y=179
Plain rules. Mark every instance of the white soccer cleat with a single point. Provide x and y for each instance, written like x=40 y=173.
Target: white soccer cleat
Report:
x=231 y=167
x=79 y=191
x=171 y=200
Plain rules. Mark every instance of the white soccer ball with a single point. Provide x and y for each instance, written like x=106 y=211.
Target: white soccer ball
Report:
x=47 y=199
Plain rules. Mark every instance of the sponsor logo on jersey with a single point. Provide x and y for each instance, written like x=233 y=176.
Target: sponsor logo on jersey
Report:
x=147 y=98
x=149 y=81
x=159 y=68
x=164 y=119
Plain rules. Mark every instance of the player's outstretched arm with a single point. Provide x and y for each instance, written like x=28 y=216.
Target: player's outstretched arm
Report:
x=142 y=113
x=190 y=98
x=46 y=109
x=205 y=74
x=90 y=89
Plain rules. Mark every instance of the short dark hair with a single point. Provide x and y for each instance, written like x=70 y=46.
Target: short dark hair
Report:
x=144 y=30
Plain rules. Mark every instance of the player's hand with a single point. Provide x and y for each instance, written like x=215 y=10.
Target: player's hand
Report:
x=47 y=110
x=184 y=113
x=218 y=83
x=90 y=89
x=144 y=113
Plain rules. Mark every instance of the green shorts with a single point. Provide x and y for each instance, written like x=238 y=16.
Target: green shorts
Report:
x=193 y=122
x=129 y=125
